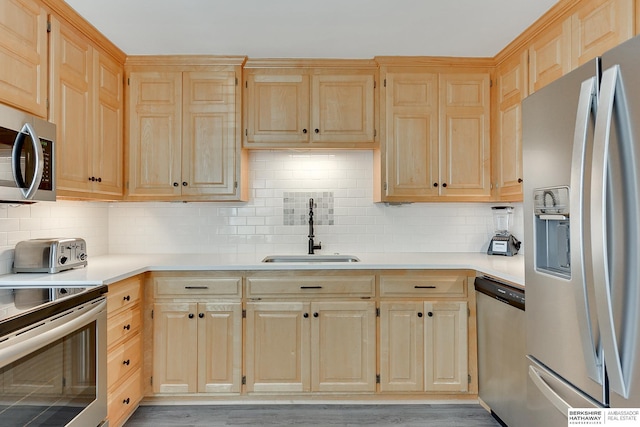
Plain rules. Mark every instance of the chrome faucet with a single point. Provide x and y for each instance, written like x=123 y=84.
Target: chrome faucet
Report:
x=312 y=246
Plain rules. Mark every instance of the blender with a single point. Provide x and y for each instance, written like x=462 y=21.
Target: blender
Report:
x=503 y=242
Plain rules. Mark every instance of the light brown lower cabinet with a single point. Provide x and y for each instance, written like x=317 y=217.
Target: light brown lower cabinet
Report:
x=197 y=335
x=124 y=349
x=218 y=335
x=324 y=346
x=423 y=346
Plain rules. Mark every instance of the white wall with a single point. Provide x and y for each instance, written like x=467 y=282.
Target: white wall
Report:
x=359 y=226
x=88 y=220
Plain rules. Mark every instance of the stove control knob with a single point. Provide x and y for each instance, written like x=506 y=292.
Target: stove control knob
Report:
x=63 y=259
x=82 y=256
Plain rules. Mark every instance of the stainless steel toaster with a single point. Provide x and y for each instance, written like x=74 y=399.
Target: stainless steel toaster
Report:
x=49 y=255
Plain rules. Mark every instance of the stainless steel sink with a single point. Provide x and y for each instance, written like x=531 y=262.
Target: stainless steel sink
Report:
x=311 y=258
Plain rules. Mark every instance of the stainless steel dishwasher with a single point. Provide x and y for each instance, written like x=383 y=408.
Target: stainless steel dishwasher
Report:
x=502 y=366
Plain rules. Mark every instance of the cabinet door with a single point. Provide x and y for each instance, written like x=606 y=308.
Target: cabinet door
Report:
x=72 y=112
x=277 y=347
x=108 y=129
x=23 y=55
x=175 y=347
x=219 y=347
x=402 y=346
x=465 y=136
x=598 y=26
x=411 y=144
x=510 y=90
x=342 y=109
x=210 y=139
x=277 y=111
x=155 y=134
x=550 y=55
x=343 y=346
x=446 y=365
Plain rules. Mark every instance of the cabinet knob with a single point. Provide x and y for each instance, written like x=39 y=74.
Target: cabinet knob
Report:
x=419 y=314
x=317 y=130
x=304 y=131
x=184 y=183
x=191 y=316
x=430 y=314
x=305 y=315
x=127 y=298
x=315 y=315
x=127 y=327
x=435 y=184
x=91 y=178
x=99 y=179
x=126 y=401
x=175 y=184
x=444 y=184
x=519 y=180
x=201 y=315
x=126 y=362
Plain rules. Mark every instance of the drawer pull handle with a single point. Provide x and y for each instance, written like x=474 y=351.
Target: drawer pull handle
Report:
x=191 y=316
x=126 y=401
x=126 y=362
x=201 y=315
x=430 y=314
x=127 y=327
x=315 y=314
x=310 y=287
x=196 y=287
x=127 y=298
x=419 y=314
x=306 y=315
x=424 y=287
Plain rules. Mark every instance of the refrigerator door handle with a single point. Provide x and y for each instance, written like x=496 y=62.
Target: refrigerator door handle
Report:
x=553 y=397
x=587 y=104
x=619 y=380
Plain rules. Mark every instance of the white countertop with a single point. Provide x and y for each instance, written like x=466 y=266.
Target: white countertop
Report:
x=107 y=269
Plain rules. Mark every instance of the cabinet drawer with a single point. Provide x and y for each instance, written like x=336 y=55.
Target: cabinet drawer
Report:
x=123 y=325
x=122 y=360
x=422 y=285
x=179 y=287
x=124 y=399
x=123 y=294
x=352 y=286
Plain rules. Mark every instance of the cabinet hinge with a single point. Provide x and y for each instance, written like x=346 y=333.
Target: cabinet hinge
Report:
x=246 y=84
x=377 y=311
x=375 y=84
x=152 y=314
x=128 y=81
x=468 y=312
x=236 y=81
x=246 y=132
x=235 y=185
x=151 y=381
x=385 y=186
x=48 y=26
x=64 y=382
x=244 y=380
x=47 y=103
x=490 y=83
x=244 y=314
x=469 y=378
x=378 y=379
x=126 y=185
x=385 y=83
x=375 y=133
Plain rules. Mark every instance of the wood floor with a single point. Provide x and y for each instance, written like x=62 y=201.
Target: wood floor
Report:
x=443 y=415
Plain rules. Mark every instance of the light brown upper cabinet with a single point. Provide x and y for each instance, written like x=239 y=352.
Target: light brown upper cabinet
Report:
x=310 y=106
x=23 y=55
x=87 y=106
x=436 y=143
x=184 y=132
x=509 y=91
x=597 y=26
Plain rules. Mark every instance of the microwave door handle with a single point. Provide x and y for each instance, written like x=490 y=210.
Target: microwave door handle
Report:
x=29 y=192
x=618 y=381
x=587 y=104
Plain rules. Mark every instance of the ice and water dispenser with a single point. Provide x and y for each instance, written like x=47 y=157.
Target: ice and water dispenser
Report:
x=551 y=231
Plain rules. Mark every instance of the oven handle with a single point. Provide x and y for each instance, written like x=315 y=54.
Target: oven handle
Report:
x=27 y=342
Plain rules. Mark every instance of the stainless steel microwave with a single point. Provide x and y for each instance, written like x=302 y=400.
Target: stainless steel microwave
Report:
x=27 y=157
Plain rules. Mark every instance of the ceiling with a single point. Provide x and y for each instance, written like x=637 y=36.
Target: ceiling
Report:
x=312 y=28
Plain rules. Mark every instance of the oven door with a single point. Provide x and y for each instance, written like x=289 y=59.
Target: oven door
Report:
x=53 y=373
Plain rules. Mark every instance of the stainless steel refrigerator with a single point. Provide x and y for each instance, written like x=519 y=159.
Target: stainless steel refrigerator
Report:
x=581 y=151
